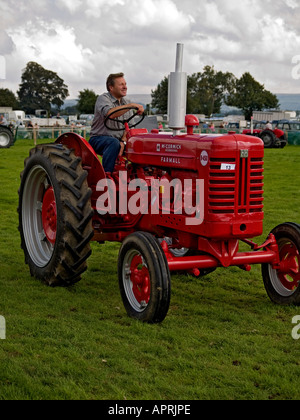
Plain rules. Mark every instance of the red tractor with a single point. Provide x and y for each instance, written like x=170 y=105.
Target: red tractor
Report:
x=274 y=138
x=66 y=200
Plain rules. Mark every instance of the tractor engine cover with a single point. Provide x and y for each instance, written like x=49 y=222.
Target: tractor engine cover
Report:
x=163 y=150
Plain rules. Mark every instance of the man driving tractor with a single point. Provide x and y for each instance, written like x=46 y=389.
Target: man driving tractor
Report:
x=110 y=143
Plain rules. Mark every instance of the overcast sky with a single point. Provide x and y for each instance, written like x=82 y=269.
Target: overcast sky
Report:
x=85 y=40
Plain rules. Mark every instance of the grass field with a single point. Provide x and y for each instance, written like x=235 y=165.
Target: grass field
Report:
x=222 y=337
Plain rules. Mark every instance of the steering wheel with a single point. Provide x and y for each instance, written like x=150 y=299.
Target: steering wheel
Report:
x=124 y=121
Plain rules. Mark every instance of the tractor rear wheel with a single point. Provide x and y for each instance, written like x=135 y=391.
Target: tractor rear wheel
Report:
x=144 y=278
x=55 y=215
x=283 y=284
x=6 y=138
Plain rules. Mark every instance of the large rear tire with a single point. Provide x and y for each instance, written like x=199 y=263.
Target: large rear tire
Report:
x=144 y=278
x=269 y=138
x=55 y=215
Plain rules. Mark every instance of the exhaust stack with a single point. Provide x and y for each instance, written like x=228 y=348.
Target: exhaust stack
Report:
x=177 y=94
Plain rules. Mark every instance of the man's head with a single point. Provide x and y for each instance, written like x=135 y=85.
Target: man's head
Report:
x=116 y=85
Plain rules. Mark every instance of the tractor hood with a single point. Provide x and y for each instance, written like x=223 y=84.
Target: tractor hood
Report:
x=186 y=151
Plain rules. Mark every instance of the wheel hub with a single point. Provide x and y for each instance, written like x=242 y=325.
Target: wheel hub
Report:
x=289 y=272
x=49 y=215
x=140 y=278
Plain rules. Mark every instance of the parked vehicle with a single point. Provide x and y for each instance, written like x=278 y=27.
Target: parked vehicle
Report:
x=275 y=138
x=288 y=125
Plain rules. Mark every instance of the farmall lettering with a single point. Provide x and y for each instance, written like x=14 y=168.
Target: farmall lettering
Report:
x=167 y=159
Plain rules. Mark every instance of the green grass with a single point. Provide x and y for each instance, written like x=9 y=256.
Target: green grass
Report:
x=222 y=337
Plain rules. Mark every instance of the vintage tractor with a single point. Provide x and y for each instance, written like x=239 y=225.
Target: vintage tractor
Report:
x=176 y=202
x=275 y=138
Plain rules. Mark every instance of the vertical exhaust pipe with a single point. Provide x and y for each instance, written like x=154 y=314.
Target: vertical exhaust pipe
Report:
x=177 y=94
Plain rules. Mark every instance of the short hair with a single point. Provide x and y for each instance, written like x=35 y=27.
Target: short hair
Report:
x=111 y=79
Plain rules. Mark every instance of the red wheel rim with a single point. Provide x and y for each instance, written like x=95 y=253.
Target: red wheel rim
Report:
x=140 y=279
x=49 y=215
x=289 y=272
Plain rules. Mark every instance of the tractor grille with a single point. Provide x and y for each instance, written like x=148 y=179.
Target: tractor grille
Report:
x=237 y=190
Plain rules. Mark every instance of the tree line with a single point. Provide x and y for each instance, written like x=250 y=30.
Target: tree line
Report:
x=206 y=92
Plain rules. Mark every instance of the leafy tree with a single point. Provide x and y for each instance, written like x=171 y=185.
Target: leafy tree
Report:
x=160 y=96
x=8 y=98
x=86 y=102
x=40 y=88
x=207 y=90
x=249 y=95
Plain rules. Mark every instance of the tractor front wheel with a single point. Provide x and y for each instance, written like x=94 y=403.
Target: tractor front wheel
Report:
x=55 y=215
x=144 y=278
x=283 y=284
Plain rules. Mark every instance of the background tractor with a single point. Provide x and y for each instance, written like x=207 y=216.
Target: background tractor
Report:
x=62 y=201
x=275 y=138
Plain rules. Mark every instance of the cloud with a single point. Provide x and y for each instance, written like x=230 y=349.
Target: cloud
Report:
x=95 y=8
x=292 y=4
x=159 y=17
x=248 y=36
x=52 y=45
x=84 y=40
x=71 y=5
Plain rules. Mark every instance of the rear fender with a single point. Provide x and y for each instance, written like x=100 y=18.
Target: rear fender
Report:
x=279 y=133
x=83 y=149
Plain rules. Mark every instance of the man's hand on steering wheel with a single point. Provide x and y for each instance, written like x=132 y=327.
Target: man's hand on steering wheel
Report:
x=140 y=108
x=113 y=116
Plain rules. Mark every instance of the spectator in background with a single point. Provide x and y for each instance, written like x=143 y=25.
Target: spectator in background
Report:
x=3 y=120
x=269 y=126
x=29 y=128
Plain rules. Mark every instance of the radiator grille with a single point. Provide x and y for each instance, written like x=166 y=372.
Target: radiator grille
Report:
x=238 y=190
